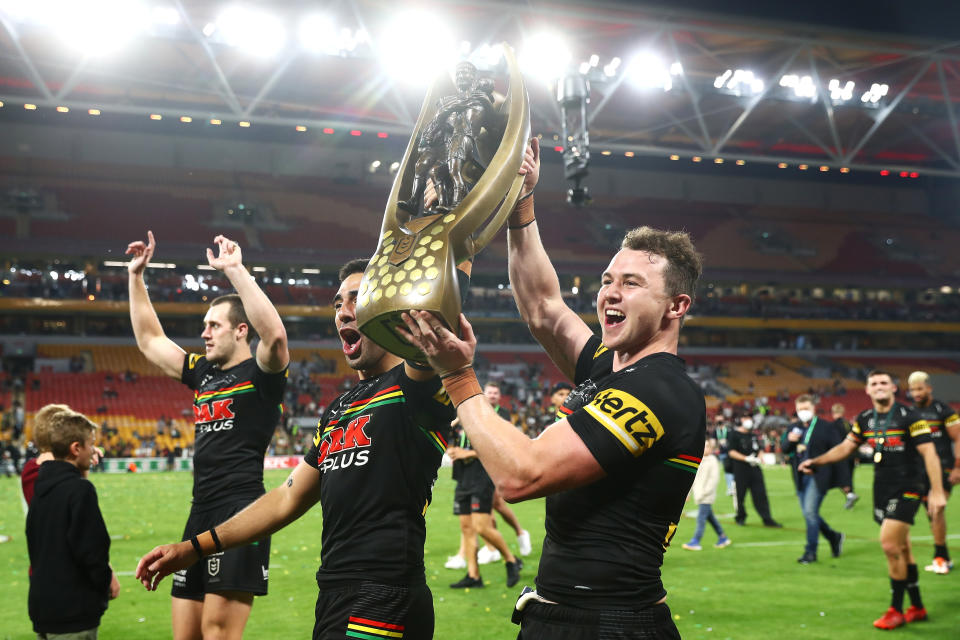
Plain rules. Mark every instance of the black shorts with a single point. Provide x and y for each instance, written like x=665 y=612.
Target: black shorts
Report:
x=896 y=503
x=475 y=500
x=557 y=622
x=371 y=610
x=946 y=484
x=242 y=569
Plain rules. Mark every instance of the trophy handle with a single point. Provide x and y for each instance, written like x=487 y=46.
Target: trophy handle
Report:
x=483 y=237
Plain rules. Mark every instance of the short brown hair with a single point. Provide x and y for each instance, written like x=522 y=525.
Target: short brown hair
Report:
x=879 y=372
x=491 y=383
x=236 y=315
x=684 y=263
x=41 y=424
x=357 y=265
x=66 y=428
x=804 y=397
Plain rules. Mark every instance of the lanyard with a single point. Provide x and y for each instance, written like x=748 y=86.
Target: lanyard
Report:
x=806 y=436
x=880 y=438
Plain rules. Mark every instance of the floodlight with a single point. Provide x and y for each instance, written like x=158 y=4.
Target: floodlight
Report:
x=841 y=93
x=487 y=56
x=165 y=15
x=647 y=71
x=318 y=34
x=802 y=86
x=257 y=32
x=96 y=28
x=545 y=56
x=415 y=47
x=876 y=92
x=610 y=69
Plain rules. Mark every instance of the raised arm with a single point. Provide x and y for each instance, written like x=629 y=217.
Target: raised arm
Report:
x=536 y=288
x=268 y=514
x=151 y=340
x=272 y=352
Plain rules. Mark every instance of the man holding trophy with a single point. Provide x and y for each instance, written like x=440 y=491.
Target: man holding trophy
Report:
x=378 y=446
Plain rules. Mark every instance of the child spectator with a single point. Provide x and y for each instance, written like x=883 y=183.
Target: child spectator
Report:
x=704 y=492
x=66 y=537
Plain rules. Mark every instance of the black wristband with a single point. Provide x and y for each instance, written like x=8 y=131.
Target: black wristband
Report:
x=196 y=546
x=216 y=540
x=521 y=226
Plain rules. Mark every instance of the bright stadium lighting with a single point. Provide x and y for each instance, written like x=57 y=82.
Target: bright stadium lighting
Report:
x=610 y=69
x=318 y=34
x=876 y=92
x=802 y=86
x=739 y=82
x=545 y=56
x=97 y=27
x=257 y=32
x=584 y=68
x=165 y=15
x=416 y=60
x=841 y=93
x=487 y=56
x=647 y=71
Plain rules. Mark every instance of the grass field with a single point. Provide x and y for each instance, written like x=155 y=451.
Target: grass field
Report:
x=752 y=589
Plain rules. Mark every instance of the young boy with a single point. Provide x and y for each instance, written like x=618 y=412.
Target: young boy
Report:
x=704 y=493
x=66 y=537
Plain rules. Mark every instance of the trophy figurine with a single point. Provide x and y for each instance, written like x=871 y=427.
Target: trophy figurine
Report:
x=469 y=141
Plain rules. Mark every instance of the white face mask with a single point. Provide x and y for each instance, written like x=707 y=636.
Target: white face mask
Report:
x=805 y=415
x=747 y=424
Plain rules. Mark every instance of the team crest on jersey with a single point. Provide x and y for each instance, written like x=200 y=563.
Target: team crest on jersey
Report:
x=344 y=447
x=631 y=421
x=192 y=360
x=213 y=565
x=599 y=351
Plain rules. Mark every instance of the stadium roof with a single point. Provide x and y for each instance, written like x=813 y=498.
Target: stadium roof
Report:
x=201 y=61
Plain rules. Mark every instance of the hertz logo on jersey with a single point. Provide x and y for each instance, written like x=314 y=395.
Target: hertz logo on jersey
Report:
x=627 y=418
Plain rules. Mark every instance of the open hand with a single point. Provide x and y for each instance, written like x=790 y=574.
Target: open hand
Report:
x=229 y=255
x=444 y=350
x=530 y=168
x=141 y=252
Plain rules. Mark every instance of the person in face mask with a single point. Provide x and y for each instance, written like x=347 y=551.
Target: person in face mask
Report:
x=744 y=449
x=807 y=438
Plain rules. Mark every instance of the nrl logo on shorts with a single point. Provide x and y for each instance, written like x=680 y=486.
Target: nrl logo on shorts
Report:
x=213 y=565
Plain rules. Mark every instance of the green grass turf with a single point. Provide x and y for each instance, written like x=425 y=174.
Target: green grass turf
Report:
x=752 y=589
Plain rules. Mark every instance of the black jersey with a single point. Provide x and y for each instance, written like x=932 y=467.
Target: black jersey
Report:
x=645 y=425
x=894 y=437
x=940 y=417
x=378 y=447
x=235 y=412
x=746 y=443
x=469 y=473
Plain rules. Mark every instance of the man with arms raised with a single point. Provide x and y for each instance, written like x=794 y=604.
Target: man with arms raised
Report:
x=372 y=466
x=616 y=470
x=236 y=408
x=944 y=428
x=902 y=448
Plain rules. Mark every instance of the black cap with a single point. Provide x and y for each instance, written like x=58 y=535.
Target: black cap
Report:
x=561 y=385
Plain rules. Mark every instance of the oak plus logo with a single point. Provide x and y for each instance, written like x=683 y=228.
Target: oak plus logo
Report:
x=343 y=447
x=215 y=415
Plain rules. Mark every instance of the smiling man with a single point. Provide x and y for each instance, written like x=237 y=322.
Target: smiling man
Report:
x=618 y=467
x=372 y=467
x=902 y=450
x=236 y=409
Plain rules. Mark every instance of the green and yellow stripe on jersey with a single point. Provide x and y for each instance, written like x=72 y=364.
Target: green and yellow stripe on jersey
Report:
x=372 y=629
x=684 y=463
x=235 y=390
x=390 y=395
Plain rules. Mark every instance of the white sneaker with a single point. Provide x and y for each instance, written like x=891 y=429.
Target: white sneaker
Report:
x=939 y=565
x=523 y=542
x=455 y=562
x=486 y=556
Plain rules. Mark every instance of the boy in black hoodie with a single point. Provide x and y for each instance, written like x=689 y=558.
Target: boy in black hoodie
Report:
x=67 y=539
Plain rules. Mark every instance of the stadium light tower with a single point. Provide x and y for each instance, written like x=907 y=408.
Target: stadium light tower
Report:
x=573 y=95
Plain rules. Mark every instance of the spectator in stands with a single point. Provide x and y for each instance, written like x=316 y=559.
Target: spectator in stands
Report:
x=744 y=450
x=704 y=492
x=806 y=438
x=945 y=432
x=236 y=408
x=71 y=579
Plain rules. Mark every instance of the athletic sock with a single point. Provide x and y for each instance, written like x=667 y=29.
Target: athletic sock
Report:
x=897 y=588
x=913 y=588
x=940 y=551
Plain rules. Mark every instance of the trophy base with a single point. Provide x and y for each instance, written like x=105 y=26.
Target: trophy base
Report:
x=382 y=329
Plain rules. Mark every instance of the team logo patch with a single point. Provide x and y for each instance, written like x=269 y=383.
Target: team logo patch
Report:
x=599 y=351
x=441 y=397
x=192 y=360
x=213 y=565
x=627 y=418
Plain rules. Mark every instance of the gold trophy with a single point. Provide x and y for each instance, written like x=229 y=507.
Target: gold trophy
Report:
x=470 y=142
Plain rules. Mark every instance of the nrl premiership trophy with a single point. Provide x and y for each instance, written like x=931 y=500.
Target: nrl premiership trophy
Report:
x=469 y=141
